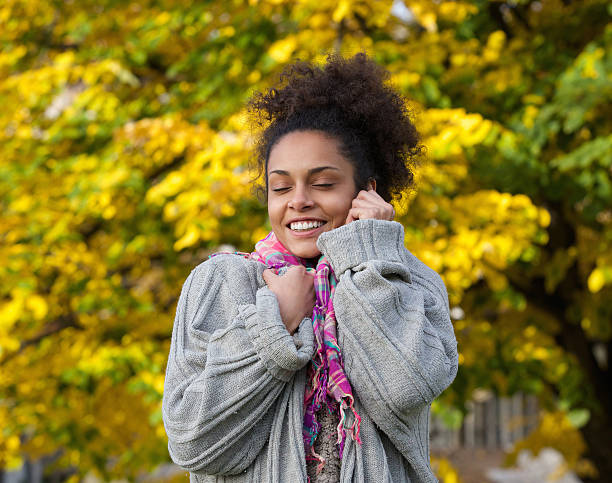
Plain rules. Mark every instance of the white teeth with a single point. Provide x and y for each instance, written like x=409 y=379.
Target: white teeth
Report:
x=306 y=225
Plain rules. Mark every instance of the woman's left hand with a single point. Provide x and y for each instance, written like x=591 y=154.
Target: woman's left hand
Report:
x=370 y=205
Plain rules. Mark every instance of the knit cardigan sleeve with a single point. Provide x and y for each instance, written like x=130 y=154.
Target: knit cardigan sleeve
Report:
x=230 y=359
x=395 y=333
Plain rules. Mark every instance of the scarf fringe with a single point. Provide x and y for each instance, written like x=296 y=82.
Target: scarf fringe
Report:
x=353 y=429
x=327 y=381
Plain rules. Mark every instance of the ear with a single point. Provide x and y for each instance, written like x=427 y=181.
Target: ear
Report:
x=371 y=184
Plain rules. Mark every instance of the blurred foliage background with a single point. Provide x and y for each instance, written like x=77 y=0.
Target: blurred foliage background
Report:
x=124 y=151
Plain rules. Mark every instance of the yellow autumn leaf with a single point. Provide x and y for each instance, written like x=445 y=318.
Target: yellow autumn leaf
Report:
x=596 y=280
x=38 y=306
x=282 y=50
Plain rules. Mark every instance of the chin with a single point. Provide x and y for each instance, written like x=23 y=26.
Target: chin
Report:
x=306 y=250
x=306 y=253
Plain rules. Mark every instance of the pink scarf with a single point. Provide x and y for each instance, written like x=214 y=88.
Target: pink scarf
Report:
x=327 y=382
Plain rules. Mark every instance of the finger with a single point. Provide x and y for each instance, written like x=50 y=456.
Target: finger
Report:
x=361 y=205
x=372 y=202
x=384 y=210
x=371 y=213
x=355 y=213
x=375 y=195
x=370 y=195
x=349 y=217
x=357 y=203
x=297 y=268
x=362 y=195
x=268 y=275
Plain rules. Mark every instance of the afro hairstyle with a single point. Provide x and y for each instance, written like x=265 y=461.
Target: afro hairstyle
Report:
x=348 y=99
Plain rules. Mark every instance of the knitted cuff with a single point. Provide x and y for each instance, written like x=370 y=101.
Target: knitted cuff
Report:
x=360 y=241
x=282 y=353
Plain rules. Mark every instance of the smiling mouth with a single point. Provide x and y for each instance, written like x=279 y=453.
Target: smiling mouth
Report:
x=305 y=226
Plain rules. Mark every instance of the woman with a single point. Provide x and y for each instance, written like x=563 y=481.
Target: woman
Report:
x=317 y=356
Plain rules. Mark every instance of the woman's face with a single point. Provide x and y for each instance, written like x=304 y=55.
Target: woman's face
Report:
x=310 y=189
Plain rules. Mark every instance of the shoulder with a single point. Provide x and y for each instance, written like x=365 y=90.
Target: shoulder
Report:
x=222 y=261
x=239 y=274
x=229 y=265
x=214 y=291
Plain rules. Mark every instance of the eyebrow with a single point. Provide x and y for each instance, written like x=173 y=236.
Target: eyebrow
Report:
x=310 y=171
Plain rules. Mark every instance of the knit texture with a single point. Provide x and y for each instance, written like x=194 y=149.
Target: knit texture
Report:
x=326 y=383
x=235 y=379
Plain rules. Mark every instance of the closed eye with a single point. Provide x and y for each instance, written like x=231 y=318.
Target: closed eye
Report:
x=281 y=189
x=323 y=185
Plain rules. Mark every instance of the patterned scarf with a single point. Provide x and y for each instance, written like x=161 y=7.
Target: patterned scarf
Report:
x=327 y=383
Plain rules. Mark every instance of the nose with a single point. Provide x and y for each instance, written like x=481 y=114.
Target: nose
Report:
x=300 y=200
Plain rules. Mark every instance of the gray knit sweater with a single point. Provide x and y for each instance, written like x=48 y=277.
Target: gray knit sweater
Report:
x=234 y=390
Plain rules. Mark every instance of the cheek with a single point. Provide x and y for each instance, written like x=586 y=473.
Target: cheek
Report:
x=274 y=213
x=342 y=205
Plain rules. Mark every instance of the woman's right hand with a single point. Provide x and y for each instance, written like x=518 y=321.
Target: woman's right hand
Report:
x=295 y=294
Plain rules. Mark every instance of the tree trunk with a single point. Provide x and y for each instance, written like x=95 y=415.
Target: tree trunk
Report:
x=572 y=338
x=597 y=436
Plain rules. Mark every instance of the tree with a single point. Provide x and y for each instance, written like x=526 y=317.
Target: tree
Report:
x=124 y=153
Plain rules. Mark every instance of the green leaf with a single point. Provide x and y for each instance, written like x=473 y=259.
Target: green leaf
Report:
x=579 y=417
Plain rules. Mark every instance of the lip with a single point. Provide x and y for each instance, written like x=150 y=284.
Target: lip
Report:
x=304 y=218
x=309 y=233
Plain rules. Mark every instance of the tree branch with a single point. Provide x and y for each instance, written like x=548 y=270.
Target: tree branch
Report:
x=53 y=327
x=497 y=15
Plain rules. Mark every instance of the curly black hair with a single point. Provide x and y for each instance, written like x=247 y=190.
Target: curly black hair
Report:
x=349 y=100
